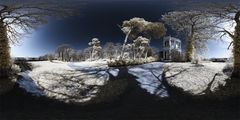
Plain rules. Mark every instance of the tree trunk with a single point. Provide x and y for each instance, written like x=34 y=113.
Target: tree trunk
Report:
x=124 y=44
x=62 y=56
x=189 y=51
x=4 y=51
x=134 y=53
x=92 y=53
x=236 y=47
x=146 y=53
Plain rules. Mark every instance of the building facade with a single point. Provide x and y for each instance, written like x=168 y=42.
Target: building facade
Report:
x=170 y=45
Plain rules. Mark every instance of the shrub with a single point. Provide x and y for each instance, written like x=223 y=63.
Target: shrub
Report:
x=177 y=56
x=15 y=69
x=130 y=62
x=228 y=69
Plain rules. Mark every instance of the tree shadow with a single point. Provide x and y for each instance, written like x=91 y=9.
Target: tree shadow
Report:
x=134 y=103
x=71 y=86
x=156 y=81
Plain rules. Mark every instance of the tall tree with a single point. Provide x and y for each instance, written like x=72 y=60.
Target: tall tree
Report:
x=225 y=14
x=135 y=26
x=195 y=25
x=19 y=17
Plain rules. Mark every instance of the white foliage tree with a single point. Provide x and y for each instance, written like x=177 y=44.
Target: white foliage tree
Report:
x=96 y=48
x=141 y=45
x=108 y=50
x=135 y=26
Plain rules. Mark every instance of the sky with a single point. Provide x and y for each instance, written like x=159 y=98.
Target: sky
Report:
x=101 y=19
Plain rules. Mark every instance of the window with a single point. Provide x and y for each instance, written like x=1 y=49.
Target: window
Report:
x=166 y=44
x=177 y=45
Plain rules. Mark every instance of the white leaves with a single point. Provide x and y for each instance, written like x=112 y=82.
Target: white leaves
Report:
x=184 y=20
x=142 y=40
x=126 y=29
x=140 y=25
x=96 y=48
x=94 y=42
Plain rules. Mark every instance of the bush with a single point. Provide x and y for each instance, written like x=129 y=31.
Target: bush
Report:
x=177 y=56
x=130 y=62
x=228 y=69
x=231 y=88
x=15 y=69
x=119 y=63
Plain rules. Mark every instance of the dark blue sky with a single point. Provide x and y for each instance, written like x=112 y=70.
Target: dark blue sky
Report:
x=99 y=18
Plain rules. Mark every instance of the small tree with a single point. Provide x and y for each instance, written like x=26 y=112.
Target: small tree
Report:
x=80 y=55
x=141 y=45
x=96 y=48
x=108 y=50
x=117 y=50
x=63 y=52
x=87 y=53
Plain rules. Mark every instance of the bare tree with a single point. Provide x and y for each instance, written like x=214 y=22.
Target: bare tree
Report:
x=63 y=52
x=225 y=14
x=18 y=18
x=195 y=25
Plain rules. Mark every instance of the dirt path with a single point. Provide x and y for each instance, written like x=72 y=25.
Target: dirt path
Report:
x=136 y=103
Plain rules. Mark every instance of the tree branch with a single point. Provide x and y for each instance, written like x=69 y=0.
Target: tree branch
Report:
x=227 y=32
x=230 y=45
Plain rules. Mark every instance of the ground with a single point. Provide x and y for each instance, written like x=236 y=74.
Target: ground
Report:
x=195 y=79
x=69 y=82
x=137 y=104
x=79 y=81
x=147 y=97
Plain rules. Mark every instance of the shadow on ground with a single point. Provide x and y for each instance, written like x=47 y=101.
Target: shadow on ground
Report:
x=134 y=103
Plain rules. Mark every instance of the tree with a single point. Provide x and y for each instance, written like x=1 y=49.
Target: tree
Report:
x=63 y=52
x=135 y=26
x=49 y=56
x=141 y=45
x=197 y=27
x=17 y=18
x=108 y=50
x=80 y=55
x=96 y=48
x=70 y=54
x=87 y=53
x=224 y=14
x=117 y=48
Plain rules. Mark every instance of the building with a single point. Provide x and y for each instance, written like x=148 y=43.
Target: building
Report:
x=170 y=44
